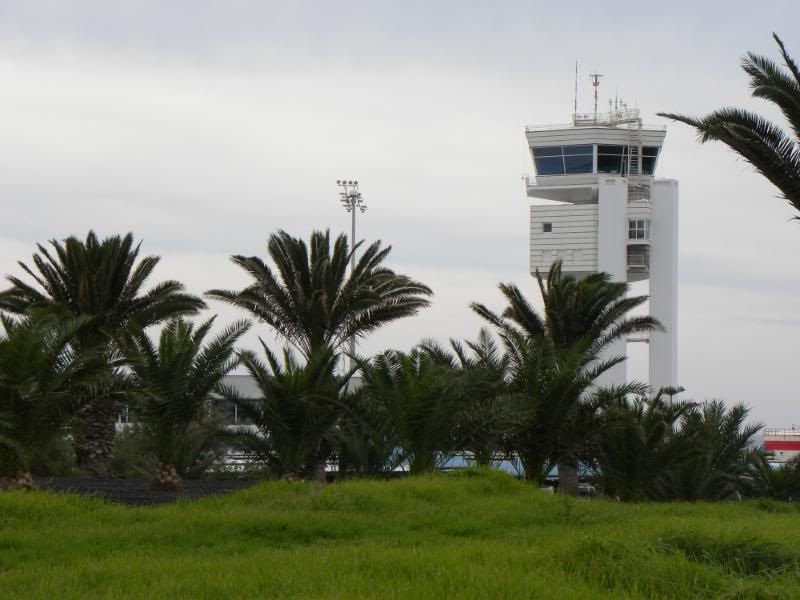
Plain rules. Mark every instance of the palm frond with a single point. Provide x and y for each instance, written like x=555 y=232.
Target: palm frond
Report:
x=770 y=150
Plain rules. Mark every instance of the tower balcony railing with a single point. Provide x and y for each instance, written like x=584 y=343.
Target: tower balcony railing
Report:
x=638 y=262
x=588 y=120
x=616 y=117
x=784 y=434
x=638 y=191
x=640 y=337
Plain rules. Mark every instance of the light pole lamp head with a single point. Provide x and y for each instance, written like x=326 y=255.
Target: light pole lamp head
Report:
x=350 y=197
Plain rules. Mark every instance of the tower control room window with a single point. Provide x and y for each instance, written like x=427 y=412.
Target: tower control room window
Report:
x=614 y=159
x=563 y=160
x=639 y=229
x=649 y=156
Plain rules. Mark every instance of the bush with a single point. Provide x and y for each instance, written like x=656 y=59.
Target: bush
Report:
x=133 y=454
x=55 y=459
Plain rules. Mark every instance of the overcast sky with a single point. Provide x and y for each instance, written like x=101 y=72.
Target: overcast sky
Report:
x=204 y=126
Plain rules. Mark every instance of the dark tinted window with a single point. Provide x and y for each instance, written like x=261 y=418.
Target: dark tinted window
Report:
x=550 y=166
x=578 y=164
x=648 y=165
x=650 y=151
x=609 y=164
x=619 y=150
x=586 y=149
x=547 y=151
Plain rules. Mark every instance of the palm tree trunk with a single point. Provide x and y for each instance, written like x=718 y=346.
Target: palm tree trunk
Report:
x=166 y=479
x=318 y=473
x=423 y=462
x=94 y=439
x=532 y=465
x=568 y=483
x=483 y=456
x=22 y=480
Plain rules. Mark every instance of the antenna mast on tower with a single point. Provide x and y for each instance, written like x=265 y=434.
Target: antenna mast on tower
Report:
x=575 y=111
x=595 y=84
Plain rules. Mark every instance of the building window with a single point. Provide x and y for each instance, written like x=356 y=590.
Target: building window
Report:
x=614 y=159
x=547 y=227
x=568 y=160
x=611 y=159
x=639 y=229
x=563 y=160
x=649 y=156
x=638 y=257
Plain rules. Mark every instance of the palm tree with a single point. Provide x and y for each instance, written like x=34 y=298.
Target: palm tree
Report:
x=555 y=359
x=422 y=401
x=723 y=465
x=591 y=312
x=637 y=445
x=309 y=299
x=765 y=145
x=296 y=412
x=179 y=380
x=782 y=482
x=365 y=440
x=43 y=378
x=489 y=412
x=102 y=281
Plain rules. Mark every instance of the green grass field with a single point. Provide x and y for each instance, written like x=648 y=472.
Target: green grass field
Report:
x=470 y=535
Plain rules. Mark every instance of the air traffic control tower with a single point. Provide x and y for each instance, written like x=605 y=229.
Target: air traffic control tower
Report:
x=597 y=206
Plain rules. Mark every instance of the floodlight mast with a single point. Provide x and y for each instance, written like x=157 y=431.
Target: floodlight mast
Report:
x=352 y=201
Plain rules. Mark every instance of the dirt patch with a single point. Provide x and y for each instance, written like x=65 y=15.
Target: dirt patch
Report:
x=137 y=492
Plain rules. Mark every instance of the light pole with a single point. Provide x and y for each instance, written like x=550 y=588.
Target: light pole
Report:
x=352 y=201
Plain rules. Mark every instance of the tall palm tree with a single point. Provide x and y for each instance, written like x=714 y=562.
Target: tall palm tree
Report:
x=43 y=378
x=309 y=298
x=771 y=150
x=591 y=312
x=102 y=280
x=295 y=413
x=557 y=356
x=178 y=380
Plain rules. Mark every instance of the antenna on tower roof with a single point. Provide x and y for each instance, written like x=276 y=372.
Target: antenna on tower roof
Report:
x=575 y=111
x=595 y=77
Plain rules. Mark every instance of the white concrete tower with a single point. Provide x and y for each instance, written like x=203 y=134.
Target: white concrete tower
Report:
x=598 y=207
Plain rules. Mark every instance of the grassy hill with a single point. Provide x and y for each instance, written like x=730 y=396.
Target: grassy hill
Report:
x=471 y=535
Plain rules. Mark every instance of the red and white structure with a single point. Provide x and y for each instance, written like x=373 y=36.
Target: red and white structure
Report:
x=784 y=444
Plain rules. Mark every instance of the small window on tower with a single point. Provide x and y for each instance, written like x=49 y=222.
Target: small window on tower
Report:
x=547 y=227
x=639 y=229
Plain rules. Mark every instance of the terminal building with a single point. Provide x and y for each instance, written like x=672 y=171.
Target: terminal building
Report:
x=597 y=205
